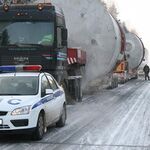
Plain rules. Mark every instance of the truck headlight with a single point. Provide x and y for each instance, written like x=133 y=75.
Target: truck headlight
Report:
x=21 y=111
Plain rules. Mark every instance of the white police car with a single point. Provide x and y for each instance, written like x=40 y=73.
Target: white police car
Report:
x=30 y=100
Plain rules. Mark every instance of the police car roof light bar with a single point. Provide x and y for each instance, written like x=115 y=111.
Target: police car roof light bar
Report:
x=32 y=68
x=20 y=68
x=7 y=68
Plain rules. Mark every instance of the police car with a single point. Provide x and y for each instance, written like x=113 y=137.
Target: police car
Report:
x=30 y=100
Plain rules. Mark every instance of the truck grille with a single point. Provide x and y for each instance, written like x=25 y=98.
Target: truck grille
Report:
x=3 y=113
x=17 y=60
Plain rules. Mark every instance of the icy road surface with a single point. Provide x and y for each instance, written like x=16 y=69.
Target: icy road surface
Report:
x=117 y=119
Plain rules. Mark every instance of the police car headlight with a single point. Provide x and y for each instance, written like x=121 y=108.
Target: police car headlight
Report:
x=21 y=111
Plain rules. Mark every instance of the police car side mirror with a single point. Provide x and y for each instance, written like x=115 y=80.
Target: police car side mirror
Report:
x=49 y=91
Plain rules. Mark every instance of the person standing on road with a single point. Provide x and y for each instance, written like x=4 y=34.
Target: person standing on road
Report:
x=146 y=71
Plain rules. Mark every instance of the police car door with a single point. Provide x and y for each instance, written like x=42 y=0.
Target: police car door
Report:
x=49 y=101
x=59 y=99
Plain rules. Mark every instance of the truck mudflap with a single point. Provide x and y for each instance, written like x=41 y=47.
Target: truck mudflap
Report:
x=74 y=87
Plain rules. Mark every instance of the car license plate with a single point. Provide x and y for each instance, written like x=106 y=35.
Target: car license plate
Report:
x=1 y=122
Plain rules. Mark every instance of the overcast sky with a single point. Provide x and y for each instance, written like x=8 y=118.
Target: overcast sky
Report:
x=136 y=13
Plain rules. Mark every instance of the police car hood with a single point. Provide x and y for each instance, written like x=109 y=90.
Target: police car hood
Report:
x=9 y=103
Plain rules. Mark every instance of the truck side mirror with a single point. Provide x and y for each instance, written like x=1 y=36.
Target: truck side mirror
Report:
x=59 y=37
x=1 y=34
x=64 y=36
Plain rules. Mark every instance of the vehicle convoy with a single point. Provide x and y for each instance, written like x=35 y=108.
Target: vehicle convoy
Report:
x=36 y=34
x=92 y=28
x=27 y=93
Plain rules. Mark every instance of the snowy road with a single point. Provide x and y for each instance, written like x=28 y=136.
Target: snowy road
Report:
x=116 y=119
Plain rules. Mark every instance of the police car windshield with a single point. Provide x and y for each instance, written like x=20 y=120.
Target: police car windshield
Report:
x=19 y=85
x=21 y=33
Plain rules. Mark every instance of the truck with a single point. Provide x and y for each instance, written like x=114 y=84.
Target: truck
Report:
x=36 y=34
x=96 y=31
x=103 y=37
x=134 y=55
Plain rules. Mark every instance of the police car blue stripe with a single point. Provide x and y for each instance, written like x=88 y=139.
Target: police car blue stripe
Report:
x=43 y=101
x=58 y=93
x=47 y=99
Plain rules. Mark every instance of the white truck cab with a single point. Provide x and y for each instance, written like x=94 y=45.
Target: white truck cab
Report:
x=30 y=100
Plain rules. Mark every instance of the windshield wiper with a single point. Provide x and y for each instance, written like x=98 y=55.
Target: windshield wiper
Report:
x=30 y=44
x=11 y=45
x=23 y=44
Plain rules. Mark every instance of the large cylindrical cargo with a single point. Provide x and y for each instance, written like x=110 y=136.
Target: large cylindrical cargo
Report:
x=93 y=29
x=134 y=50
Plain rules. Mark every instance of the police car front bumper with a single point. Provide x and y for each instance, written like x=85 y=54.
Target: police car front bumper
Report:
x=18 y=122
x=18 y=131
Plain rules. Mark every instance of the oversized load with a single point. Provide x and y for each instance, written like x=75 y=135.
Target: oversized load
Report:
x=134 y=50
x=91 y=27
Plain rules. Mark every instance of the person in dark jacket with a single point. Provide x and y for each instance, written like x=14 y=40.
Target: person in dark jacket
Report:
x=146 y=72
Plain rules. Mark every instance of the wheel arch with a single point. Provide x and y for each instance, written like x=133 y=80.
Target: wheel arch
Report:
x=42 y=111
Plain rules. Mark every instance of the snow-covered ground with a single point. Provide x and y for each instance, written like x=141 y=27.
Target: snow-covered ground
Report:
x=116 y=119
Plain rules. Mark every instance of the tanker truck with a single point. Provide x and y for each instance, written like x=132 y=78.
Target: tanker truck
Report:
x=135 y=52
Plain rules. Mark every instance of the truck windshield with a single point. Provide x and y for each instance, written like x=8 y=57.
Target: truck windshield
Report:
x=26 y=33
x=21 y=85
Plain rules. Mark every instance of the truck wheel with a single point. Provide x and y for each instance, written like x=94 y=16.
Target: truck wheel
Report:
x=112 y=85
x=116 y=84
x=79 y=92
x=62 y=120
x=80 y=95
x=39 y=132
x=136 y=76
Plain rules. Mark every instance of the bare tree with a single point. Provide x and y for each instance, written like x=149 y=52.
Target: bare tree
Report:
x=113 y=10
x=128 y=29
x=134 y=31
x=104 y=4
x=124 y=26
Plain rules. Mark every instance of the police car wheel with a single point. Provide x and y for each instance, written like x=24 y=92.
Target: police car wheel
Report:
x=39 y=132
x=61 y=122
